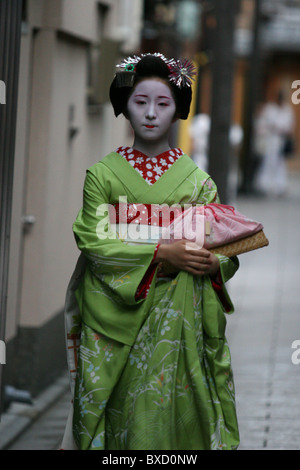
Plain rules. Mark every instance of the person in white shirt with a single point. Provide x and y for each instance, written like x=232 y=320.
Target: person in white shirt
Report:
x=274 y=124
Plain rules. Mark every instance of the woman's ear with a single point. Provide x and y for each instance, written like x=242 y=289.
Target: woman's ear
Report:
x=125 y=113
x=176 y=117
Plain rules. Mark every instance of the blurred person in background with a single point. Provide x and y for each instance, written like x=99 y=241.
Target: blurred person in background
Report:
x=274 y=129
x=199 y=131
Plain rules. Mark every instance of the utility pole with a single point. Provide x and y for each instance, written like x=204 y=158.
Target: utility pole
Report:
x=222 y=86
x=10 y=34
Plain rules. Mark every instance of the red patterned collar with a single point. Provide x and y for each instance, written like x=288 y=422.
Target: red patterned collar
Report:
x=150 y=168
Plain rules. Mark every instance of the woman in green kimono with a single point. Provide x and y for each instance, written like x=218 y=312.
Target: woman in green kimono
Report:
x=154 y=369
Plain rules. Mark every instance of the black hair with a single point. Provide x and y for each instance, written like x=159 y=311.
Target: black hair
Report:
x=150 y=66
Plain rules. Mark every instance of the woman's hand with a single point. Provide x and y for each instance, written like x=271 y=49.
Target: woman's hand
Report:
x=186 y=256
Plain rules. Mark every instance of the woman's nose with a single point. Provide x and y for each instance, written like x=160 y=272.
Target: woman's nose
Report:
x=151 y=113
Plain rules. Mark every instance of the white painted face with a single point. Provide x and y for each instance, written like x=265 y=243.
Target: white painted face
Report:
x=151 y=110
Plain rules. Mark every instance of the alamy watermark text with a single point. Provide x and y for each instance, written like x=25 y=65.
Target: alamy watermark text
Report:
x=296 y=354
x=2 y=92
x=296 y=94
x=2 y=353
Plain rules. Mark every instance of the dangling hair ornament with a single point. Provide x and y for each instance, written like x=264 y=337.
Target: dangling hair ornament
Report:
x=182 y=72
x=126 y=76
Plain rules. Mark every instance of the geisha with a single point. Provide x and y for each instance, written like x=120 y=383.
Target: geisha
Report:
x=154 y=367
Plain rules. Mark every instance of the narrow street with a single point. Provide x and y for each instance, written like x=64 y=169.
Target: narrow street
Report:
x=265 y=292
x=260 y=334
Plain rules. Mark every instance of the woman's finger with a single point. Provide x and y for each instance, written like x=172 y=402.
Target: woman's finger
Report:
x=199 y=259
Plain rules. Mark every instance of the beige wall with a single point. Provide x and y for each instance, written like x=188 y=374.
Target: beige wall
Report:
x=50 y=167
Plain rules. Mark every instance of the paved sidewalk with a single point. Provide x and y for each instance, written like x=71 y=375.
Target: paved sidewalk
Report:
x=265 y=292
x=260 y=335
x=39 y=426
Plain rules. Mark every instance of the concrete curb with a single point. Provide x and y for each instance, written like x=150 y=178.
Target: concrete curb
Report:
x=20 y=417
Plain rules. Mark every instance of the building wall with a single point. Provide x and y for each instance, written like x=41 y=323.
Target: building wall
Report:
x=58 y=137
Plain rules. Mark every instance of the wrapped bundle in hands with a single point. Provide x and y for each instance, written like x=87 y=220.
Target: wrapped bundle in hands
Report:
x=218 y=228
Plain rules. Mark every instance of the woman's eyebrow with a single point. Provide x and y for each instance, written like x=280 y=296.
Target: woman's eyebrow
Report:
x=146 y=96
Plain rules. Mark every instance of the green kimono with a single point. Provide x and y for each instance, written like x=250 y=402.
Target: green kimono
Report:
x=153 y=373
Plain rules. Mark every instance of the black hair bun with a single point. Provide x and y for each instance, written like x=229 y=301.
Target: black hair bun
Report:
x=150 y=66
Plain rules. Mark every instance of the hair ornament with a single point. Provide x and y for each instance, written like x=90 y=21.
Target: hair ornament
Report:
x=130 y=63
x=182 y=72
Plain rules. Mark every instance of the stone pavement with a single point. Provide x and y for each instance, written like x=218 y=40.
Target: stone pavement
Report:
x=266 y=322
x=39 y=426
x=260 y=333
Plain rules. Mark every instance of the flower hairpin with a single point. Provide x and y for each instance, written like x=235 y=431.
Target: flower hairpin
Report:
x=128 y=65
x=182 y=72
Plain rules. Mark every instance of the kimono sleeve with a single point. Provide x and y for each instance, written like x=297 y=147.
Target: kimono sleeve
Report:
x=228 y=266
x=119 y=266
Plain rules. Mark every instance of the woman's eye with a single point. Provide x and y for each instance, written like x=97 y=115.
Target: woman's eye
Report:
x=163 y=104
x=140 y=102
